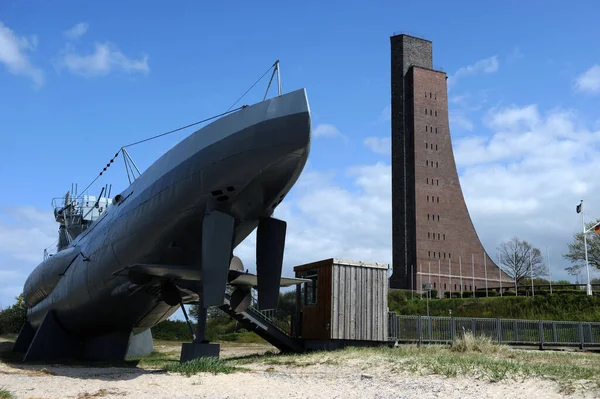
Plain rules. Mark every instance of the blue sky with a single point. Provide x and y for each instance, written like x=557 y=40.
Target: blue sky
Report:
x=78 y=81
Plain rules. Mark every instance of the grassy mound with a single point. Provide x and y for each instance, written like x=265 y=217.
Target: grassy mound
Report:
x=546 y=307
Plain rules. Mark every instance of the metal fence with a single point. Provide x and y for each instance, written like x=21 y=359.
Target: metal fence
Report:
x=433 y=329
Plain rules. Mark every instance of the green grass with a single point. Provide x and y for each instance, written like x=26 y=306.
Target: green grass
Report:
x=203 y=365
x=6 y=394
x=469 y=356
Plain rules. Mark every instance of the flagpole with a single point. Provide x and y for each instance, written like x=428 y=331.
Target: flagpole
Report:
x=531 y=274
x=587 y=265
x=412 y=284
x=460 y=270
x=485 y=269
x=515 y=265
x=450 y=274
x=440 y=277
x=473 y=272
x=499 y=273
x=549 y=271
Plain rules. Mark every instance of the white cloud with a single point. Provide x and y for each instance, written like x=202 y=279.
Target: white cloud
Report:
x=386 y=114
x=460 y=121
x=326 y=130
x=105 y=59
x=589 y=81
x=24 y=233
x=77 y=31
x=487 y=65
x=13 y=54
x=379 y=145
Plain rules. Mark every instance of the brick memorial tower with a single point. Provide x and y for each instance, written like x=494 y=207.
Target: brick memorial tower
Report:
x=433 y=238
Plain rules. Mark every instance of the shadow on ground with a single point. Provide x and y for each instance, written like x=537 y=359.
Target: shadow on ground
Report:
x=74 y=368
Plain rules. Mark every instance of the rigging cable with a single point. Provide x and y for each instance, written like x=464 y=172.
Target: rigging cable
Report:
x=155 y=137
x=255 y=83
x=229 y=111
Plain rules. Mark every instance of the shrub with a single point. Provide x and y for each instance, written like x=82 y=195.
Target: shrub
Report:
x=13 y=317
x=467 y=342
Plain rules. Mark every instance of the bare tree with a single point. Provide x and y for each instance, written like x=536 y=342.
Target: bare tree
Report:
x=519 y=259
x=576 y=254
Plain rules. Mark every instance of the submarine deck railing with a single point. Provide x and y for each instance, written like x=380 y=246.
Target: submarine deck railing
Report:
x=436 y=329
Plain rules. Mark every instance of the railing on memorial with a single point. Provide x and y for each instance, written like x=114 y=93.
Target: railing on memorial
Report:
x=434 y=329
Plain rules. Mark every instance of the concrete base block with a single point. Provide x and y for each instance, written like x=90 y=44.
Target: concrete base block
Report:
x=140 y=344
x=191 y=351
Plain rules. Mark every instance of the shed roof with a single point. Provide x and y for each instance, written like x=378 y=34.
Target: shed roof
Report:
x=342 y=262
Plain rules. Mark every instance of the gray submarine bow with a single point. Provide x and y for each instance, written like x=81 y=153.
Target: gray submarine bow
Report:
x=126 y=263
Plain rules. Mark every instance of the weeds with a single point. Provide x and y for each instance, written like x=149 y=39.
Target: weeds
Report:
x=202 y=365
x=6 y=394
x=470 y=343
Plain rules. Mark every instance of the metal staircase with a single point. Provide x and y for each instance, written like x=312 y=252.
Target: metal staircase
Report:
x=267 y=328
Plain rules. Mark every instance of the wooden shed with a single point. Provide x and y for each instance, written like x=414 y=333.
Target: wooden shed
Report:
x=345 y=300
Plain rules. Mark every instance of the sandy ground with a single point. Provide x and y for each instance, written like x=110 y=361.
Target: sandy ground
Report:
x=260 y=381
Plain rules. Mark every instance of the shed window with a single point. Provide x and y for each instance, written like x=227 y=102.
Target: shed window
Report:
x=309 y=289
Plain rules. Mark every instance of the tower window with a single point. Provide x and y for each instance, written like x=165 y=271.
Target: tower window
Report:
x=435 y=96
x=439 y=254
x=428 y=198
x=438 y=236
x=429 y=94
x=426 y=128
x=438 y=200
x=428 y=235
x=436 y=147
x=427 y=163
x=427 y=216
x=438 y=221
x=444 y=234
x=436 y=129
x=425 y=111
x=429 y=254
x=426 y=145
x=437 y=182
x=425 y=94
x=444 y=255
x=431 y=112
x=428 y=180
x=436 y=164
x=449 y=255
x=444 y=285
x=435 y=113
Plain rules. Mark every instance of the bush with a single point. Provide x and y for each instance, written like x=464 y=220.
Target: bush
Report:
x=13 y=318
x=467 y=342
x=567 y=307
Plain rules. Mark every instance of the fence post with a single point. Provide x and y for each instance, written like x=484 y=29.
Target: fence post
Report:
x=499 y=330
x=452 y=329
x=554 y=333
x=429 y=337
x=541 y=328
x=515 y=331
x=581 y=342
x=473 y=327
x=419 y=327
x=591 y=333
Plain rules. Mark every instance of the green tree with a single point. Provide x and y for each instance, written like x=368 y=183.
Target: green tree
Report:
x=576 y=253
x=519 y=259
x=12 y=318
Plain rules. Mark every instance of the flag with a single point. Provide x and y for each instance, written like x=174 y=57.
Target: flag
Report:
x=579 y=208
